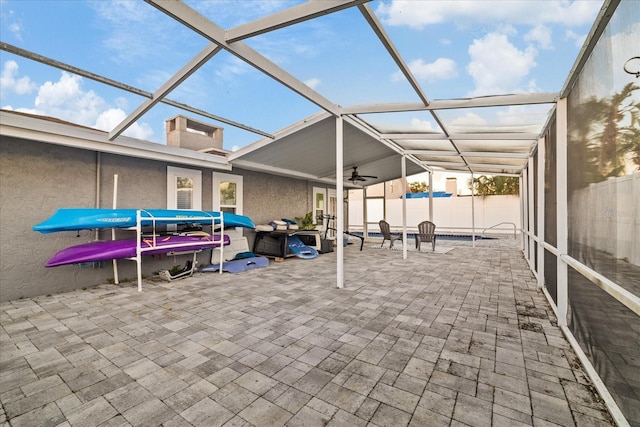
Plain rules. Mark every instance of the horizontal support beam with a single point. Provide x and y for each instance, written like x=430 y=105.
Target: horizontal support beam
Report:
x=288 y=17
x=492 y=154
x=440 y=164
x=513 y=175
x=495 y=155
x=509 y=136
x=472 y=165
x=448 y=104
x=496 y=166
x=434 y=153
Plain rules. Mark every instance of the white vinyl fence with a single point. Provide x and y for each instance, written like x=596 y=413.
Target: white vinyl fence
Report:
x=450 y=214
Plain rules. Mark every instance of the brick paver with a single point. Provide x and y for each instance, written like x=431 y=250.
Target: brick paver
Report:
x=462 y=338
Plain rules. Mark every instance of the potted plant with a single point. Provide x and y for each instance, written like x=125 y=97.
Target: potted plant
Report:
x=306 y=222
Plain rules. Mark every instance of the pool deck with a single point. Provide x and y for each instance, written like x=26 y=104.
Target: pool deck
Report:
x=463 y=338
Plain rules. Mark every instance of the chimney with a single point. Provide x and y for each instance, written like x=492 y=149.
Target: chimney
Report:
x=194 y=135
x=451 y=186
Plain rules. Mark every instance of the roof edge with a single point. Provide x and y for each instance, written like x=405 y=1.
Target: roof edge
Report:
x=59 y=132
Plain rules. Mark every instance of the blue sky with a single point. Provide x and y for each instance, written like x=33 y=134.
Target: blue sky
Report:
x=454 y=48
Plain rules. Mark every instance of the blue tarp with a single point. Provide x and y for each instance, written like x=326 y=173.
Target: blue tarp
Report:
x=425 y=195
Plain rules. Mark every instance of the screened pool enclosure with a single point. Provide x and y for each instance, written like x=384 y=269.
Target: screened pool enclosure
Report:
x=576 y=151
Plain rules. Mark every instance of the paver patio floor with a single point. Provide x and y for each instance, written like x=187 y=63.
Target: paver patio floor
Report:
x=455 y=339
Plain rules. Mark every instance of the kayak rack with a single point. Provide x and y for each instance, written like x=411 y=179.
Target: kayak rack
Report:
x=216 y=218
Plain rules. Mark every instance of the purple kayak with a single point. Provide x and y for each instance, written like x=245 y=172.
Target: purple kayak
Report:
x=118 y=249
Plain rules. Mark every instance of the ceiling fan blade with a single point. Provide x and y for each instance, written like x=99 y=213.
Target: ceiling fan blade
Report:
x=355 y=176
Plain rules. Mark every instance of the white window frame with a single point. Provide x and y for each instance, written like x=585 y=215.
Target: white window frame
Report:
x=218 y=178
x=172 y=188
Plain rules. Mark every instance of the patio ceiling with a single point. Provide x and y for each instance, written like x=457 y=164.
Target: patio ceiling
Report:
x=376 y=136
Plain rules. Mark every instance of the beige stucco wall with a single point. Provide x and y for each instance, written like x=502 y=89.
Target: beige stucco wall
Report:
x=269 y=197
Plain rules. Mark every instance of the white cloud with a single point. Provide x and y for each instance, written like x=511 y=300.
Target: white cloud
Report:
x=469 y=119
x=440 y=69
x=234 y=12
x=16 y=30
x=11 y=22
x=66 y=100
x=109 y=119
x=497 y=66
x=540 y=34
x=122 y=103
x=133 y=28
x=532 y=86
x=11 y=83
x=578 y=39
x=419 y=14
x=421 y=125
x=313 y=83
x=523 y=117
x=231 y=68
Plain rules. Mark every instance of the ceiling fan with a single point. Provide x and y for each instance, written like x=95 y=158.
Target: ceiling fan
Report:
x=355 y=176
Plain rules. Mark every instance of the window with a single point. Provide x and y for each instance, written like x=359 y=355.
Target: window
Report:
x=184 y=193
x=184 y=188
x=319 y=204
x=227 y=193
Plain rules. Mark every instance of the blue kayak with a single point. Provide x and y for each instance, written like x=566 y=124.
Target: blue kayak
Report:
x=73 y=219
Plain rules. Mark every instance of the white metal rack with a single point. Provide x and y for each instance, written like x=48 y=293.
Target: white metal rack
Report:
x=216 y=218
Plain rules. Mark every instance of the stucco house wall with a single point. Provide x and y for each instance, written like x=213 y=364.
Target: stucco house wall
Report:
x=37 y=178
x=269 y=197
